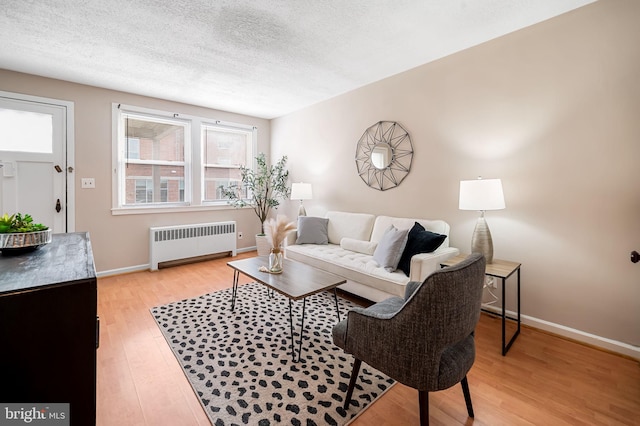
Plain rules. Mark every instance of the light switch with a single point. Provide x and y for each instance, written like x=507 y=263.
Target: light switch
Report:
x=88 y=183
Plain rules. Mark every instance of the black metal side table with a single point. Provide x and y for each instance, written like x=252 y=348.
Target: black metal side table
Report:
x=502 y=269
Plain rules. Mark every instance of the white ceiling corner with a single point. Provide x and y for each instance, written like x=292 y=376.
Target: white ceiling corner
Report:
x=264 y=58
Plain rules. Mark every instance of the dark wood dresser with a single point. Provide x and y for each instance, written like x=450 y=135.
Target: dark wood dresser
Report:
x=49 y=326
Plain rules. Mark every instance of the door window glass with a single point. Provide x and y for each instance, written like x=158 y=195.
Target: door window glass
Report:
x=25 y=131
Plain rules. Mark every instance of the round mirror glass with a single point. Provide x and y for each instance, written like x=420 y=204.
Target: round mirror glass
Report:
x=381 y=156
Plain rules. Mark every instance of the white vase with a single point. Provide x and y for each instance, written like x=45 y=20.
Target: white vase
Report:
x=262 y=245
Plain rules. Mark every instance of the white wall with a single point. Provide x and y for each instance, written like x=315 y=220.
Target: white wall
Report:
x=552 y=110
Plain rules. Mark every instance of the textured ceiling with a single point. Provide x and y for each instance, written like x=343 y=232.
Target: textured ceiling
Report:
x=264 y=58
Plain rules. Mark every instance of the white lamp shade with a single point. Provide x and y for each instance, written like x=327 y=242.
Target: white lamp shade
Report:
x=301 y=191
x=481 y=194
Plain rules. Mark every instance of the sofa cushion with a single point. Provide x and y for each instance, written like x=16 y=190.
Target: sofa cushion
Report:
x=359 y=246
x=390 y=248
x=419 y=241
x=351 y=225
x=353 y=266
x=312 y=230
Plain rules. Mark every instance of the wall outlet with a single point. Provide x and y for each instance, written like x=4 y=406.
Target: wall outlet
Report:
x=88 y=183
x=490 y=282
x=239 y=235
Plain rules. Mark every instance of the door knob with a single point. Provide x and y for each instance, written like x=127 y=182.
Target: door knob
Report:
x=58 y=206
x=635 y=256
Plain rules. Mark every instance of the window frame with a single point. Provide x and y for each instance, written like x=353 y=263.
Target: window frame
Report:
x=193 y=159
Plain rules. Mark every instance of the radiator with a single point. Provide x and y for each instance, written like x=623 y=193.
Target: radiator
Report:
x=184 y=241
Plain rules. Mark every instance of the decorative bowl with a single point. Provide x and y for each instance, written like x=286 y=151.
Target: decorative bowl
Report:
x=24 y=240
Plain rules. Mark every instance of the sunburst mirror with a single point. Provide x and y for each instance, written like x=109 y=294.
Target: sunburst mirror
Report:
x=383 y=155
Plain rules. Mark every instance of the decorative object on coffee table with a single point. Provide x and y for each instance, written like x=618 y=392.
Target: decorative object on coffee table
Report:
x=481 y=194
x=276 y=258
x=383 y=155
x=276 y=231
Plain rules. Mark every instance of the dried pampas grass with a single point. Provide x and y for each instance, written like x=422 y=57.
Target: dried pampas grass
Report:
x=277 y=229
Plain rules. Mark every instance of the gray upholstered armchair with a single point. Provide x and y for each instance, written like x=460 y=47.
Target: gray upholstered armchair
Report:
x=424 y=340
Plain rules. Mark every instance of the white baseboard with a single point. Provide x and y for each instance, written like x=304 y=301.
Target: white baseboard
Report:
x=147 y=266
x=246 y=249
x=119 y=271
x=571 y=333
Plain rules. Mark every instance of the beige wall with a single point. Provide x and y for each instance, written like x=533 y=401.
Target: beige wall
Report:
x=123 y=241
x=553 y=111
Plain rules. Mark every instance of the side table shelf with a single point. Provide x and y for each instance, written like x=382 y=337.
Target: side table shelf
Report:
x=502 y=269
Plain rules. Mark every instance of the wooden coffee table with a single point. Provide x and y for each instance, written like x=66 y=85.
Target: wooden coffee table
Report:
x=297 y=281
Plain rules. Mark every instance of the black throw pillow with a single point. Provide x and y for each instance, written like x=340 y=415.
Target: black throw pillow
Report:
x=420 y=241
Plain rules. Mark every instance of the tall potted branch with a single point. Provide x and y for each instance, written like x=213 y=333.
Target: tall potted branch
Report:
x=265 y=187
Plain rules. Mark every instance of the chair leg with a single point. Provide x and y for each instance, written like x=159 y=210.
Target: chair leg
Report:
x=467 y=396
x=423 y=399
x=352 y=382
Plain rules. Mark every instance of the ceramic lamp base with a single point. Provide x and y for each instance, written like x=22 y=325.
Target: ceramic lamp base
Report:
x=301 y=210
x=481 y=241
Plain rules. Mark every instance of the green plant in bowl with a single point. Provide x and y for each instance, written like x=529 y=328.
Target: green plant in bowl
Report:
x=18 y=234
x=5 y=223
x=19 y=223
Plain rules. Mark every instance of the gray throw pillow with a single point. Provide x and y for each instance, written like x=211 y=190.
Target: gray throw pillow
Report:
x=312 y=230
x=390 y=248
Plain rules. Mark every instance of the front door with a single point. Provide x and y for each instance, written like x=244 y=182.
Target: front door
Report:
x=33 y=138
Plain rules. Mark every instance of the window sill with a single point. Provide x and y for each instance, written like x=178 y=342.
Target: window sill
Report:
x=121 y=211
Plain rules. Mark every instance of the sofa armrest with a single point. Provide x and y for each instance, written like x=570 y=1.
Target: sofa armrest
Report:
x=423 y=264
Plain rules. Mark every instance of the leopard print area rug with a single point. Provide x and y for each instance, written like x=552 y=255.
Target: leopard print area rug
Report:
x=240 y=364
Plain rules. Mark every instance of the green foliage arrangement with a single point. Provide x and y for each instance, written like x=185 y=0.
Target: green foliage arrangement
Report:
x=265 y=186
x=19 y=223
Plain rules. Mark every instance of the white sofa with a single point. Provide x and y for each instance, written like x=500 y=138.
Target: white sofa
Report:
x=352 y=239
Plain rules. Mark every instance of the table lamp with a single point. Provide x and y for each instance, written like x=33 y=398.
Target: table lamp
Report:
x=301 y=191
x=481 y=194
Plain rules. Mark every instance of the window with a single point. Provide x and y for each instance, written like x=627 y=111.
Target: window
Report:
x=26 y=131
x=133 y=148
x=165 y=160
x=154 y=153
x=144 y=191
x=224 y=151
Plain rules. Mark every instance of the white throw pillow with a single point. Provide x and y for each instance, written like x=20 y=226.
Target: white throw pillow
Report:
x=390 y=248
x=359 y=246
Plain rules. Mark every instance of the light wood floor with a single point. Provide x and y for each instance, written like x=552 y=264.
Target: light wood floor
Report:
x=543 y=380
